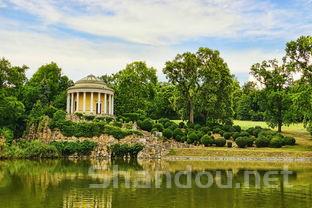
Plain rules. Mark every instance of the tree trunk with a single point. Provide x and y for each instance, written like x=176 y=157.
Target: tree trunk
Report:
x=279 y=127
x=191 y=115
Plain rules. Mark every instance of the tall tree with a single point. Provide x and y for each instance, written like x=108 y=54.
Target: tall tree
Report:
x=47 y=85
x=299 y=59
x=275 y=80
x=204 y=83
x=135 y=88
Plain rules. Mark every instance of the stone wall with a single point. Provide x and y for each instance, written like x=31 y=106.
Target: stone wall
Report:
x=154 y=147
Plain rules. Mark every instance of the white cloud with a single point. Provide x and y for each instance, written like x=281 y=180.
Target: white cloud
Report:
x=164 y=22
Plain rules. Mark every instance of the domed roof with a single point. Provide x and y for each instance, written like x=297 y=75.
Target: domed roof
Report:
x=90 y=82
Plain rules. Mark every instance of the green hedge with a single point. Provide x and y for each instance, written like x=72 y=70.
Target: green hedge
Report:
x=67 y=148
x=88 y=129
x=125 y=150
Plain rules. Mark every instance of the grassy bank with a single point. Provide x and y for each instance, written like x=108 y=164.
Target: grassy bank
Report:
x=303 y=148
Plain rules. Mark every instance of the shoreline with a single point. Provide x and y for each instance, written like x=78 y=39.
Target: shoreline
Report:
x=239 y=159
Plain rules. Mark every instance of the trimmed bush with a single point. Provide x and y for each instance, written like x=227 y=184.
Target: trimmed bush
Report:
x=197 y=126
x=163 y=121
x=167 y=133
x=205 y=129
x=242 y=141
x=133 y=116
x=237 y=128
x=66 y=148
x=192 y=137
x=244 y=134
x=125 y=150
x=220 y=142
x=159 y=127
x=227 y=135
x=154 y=130
x=146 y=124
x=207 y=140
x=182 y=125
x=289 y=141
x=276 y=142
x=37 y=149
x=262 y=141
x=178 y=134
x=216 y=130
x=250 y=141
x=235 y=135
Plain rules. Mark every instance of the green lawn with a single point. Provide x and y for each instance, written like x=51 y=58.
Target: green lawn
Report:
x=303 y=138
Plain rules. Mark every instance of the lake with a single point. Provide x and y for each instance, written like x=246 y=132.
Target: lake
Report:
x=135 y=184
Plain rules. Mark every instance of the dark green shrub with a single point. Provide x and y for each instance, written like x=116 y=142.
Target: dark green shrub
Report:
x=173 y=126
x=37 y=149
x=244 y=134
x=289 y=141
x=163 y=121
x=237 y=128
x=250 y=141
x=192 y=137
x=242 y=141
x=220 y=142
x=178 y=134
x=197 y=126
x=117 y=124
x=205 y=129
x=66 y=148
x=167 y=133
x=89 y=117
x=159 y=127
x=276 y=142
x=154 y=130
x=262 y=141
x=227 y=135
x=216 y=130
x=184 y=138
x=227 y=128
x=134 y=116
x=207 y=140
x=235 y=135
x=7 y=134
x=200 y=134
x=182 y=125
x=146 y=124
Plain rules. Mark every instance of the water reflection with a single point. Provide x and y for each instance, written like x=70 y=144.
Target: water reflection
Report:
x=65 y=183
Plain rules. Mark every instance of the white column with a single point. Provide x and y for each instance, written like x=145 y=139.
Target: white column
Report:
x=112 y=104
x=72 y=103
x=77 y=100
x=99 y=102
x=84 y=102
x=105 y=103
x=68 y=103
x=91 y=103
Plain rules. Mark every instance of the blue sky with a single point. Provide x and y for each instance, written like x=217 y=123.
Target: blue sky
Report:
x=102 y=36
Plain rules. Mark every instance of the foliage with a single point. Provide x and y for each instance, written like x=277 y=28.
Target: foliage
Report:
x=242 y=141
x=276 y=99
x=167 y=133
x=203 y=81
x=146 y=124
x=207 y=140
x=29 y=149
x=88 y=129
x=67 y=148
x=192 y=137
x=220 y=142
x=135 y=88
x=178 y=134
x=227 y=135
x=7 y=134
x=125 y=150
x=159 y=127
x=262 y=142
x=276 y=142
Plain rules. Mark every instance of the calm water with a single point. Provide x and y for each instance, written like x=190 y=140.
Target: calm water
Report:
x=62 y=183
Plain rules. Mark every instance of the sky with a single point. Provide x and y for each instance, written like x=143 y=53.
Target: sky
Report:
x=101 y=36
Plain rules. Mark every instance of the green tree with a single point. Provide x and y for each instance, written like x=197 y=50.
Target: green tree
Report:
x=276 y=99
x=204 y=83
x=299 y=59
x=164 y=102
x=135 y=88
x=47 y=85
